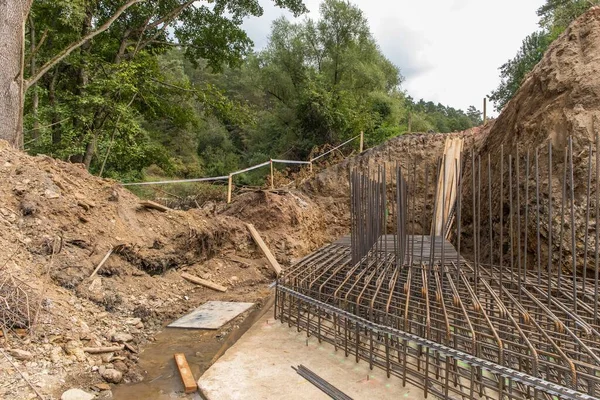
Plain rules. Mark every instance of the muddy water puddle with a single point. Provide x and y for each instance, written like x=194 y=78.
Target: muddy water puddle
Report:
x=201 y=348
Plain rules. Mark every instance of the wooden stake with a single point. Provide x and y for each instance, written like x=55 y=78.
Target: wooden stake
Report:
x=263 y=247
x=362 y=141
x=102 y=262
x=229 y=188
x=187 y=377
x=203 y=282
x=272 y=178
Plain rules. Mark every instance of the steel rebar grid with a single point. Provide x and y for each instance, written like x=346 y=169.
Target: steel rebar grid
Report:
x=534 y=322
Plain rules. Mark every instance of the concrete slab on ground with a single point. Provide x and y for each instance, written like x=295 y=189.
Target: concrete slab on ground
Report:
x=211 y=315
x=259 y=366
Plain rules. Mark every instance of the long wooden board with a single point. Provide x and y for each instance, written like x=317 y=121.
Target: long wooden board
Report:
x=263 y=247
x=187 y=377
x=203 y=282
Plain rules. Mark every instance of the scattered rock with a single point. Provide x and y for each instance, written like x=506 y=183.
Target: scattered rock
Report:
x=75 y=348
x=50 y=194
x=114 y=196
x=76 y=394
x=133 y=321
x=121 y=337
x=28 y=207
x=20 y=354
x=120 y=366
x=102 y=386
x=96 y=285
x=112 y=375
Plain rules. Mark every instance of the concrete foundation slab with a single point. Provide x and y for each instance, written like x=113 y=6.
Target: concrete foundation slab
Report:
x=259 y=365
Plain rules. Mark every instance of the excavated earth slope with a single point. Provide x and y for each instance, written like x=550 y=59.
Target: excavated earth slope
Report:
x=57 y=222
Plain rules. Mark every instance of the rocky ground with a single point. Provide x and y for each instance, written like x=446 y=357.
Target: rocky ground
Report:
x=57 y=223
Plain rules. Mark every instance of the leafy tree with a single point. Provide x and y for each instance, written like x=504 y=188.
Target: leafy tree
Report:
x=555 y=17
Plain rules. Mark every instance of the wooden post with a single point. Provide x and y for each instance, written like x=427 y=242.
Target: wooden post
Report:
x=272 y=178
x=484 y=110
x=310 y=166
x=362 y=141
x=229 y=188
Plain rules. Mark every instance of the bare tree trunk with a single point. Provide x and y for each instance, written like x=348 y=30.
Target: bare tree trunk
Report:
x=12 y=20
x=56 y=128
x=90 y=150
x=35 y=97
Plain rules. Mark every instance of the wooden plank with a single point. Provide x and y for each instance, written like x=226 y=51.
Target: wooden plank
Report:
x=154 y=206
x=189 y=383
x=203 y=282
x=102 y=262
x=259 y=241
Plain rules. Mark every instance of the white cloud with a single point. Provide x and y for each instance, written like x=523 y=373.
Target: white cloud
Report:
x=448 y=50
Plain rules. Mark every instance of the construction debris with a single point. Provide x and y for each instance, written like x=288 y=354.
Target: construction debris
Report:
x=263 y=247
x=100 y=350
x=321 y=383
x=154 y=206
x=203 y=282
x=211 y=315
x=187 y=377
x=101 y=263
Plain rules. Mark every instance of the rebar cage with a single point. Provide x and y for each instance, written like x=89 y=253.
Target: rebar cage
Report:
x=504 y=322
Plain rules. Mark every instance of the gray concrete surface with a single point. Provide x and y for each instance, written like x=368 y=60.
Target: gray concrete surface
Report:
x=259 y=365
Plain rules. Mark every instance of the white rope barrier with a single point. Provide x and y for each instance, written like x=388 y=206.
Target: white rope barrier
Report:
x=335 y=148
x=216 y=178
x=290 y=162
x=228 y=177
x=251 y=168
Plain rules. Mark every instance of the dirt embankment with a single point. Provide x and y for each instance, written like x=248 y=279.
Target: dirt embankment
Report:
x=56 y=225
x=558 y=99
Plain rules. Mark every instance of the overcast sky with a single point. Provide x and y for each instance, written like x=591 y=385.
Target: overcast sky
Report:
x=449 y=51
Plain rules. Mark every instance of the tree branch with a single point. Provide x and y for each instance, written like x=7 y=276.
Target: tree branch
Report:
x=68 y=50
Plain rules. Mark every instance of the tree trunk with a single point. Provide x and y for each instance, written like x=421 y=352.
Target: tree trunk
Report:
x=35 y=97
x=12 y=19
x=90 y=150
x=56 y=128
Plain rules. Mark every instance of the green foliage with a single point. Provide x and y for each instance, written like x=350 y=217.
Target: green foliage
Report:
x=514 y=71
x=173 y=89
x=555 y=17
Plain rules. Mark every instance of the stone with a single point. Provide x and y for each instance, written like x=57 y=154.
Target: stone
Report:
x=120 y=366
x=75 y=348
x=96 y=285
x=20 y=354
x=121 y=337
x=76 y=394
x=133 y=321
x=50 y=194
x=102 y=386
x=112 y=375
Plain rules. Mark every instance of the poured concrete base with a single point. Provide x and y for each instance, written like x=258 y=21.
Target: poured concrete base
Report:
x=259 y=366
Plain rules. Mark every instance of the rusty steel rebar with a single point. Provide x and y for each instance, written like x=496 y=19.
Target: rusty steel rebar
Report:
x=447 y=317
